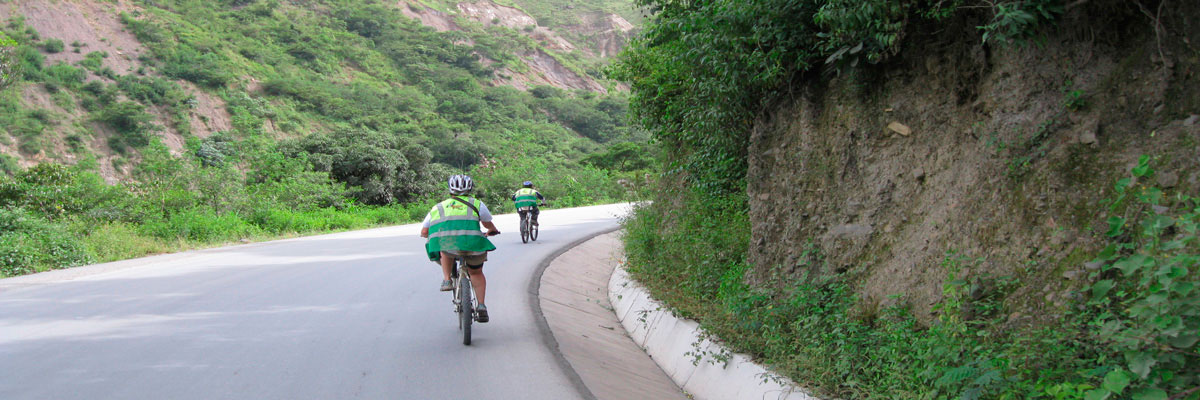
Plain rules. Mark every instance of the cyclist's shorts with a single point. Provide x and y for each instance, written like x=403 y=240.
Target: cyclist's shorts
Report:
x=474 y=259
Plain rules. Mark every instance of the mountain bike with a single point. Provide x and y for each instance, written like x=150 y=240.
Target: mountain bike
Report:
x=464 y=299
x=529 y=231
x=464 y=296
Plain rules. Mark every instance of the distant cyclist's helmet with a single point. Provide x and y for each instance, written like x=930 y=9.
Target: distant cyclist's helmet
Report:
x=527 y=184
x=460 y=184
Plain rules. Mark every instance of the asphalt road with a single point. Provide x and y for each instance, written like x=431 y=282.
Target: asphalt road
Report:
x=353 y=315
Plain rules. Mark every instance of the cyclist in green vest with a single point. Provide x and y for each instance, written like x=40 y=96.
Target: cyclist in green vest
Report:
x=527 y=196
x=452 y=227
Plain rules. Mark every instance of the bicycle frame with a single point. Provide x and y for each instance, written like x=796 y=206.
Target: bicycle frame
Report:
x=464 y=300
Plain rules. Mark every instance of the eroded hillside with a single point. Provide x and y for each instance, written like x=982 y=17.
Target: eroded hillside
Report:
x=569 y=61
x=1005 y=155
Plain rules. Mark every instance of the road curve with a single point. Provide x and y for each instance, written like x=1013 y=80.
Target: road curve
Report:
x=353 y=315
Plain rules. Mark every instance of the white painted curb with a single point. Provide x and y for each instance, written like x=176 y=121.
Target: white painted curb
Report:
x=668 y=340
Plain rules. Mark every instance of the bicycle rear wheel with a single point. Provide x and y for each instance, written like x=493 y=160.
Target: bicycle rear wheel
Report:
x=525 y=229
x=467 y=310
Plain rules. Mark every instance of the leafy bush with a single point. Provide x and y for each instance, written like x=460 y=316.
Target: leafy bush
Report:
x=152 y=90
x=205 y=69
x=145 y=31
x=626 y=156
x=94 y=61
x=63 y=75
x=1018 y=21
x=132 y=123
x=8 y=164
x=380 y=168
x=112 y=241
x=29 y=243
x=1146 y=299
x=10 y=63
x=201 y=226
x=52 y=190
x=53 y=46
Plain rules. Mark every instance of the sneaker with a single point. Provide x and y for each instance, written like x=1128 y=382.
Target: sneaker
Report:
x=447 y=286
x=535 y=223
x=481 y=314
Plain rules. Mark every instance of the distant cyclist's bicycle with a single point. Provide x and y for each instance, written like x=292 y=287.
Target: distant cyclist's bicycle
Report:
x=529 y=231
x=464 y=300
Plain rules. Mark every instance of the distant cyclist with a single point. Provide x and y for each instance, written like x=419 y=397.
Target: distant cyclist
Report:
x=452 y=227
x=527 y=196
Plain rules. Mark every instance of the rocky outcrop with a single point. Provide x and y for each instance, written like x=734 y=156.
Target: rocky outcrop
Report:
x=435 y=19
x=604 y=34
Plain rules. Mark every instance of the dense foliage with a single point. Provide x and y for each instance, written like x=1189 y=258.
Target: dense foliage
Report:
x=702 y=71
x=343 y=114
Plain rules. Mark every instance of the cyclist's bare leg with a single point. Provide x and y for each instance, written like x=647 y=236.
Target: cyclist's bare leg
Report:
x=479 y=282
x=447 y=265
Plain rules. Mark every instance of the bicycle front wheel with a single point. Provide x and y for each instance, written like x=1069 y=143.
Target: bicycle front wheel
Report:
x=533 y=230
x=467 y=309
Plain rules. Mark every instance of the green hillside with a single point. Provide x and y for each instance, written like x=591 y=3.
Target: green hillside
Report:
x=341 y=114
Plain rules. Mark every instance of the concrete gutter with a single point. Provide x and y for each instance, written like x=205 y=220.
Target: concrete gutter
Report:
x=690 y=359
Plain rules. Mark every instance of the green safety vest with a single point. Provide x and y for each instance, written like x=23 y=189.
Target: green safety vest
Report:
x=453 y=226
x=526 y=197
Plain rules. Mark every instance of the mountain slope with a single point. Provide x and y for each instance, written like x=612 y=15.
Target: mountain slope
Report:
x=198 y=122
x=300 y=62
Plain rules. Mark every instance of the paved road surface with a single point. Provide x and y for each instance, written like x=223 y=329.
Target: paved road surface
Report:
x=342 y=316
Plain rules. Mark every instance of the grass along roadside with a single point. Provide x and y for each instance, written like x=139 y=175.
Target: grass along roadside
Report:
x=1129 y=332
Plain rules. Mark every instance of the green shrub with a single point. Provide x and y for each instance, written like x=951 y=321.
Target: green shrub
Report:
x=63 y=75
x=131 y=122
x=118 y=241
x=29 y=244
x=145 y=31
x=93 y=61
x=53 y=46
x=51 y=190
x=1145 y=299
x=201 y=226
x=205 y=69
x=8 y=165
x=10 y=61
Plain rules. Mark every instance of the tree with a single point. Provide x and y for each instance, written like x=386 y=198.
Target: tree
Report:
x=10 y=64
x=379 y=168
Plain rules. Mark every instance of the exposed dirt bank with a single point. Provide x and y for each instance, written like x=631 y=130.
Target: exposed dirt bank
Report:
x=995 y=152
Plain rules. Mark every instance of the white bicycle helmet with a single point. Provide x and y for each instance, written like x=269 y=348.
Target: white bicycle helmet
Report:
x=460 y=184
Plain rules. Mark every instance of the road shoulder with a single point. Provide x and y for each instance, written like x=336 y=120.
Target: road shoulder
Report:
x=574 y=298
